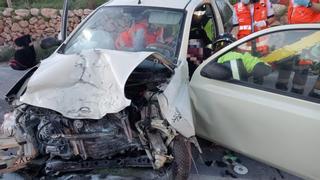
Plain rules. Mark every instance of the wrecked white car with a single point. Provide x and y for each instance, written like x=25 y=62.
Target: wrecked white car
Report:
x=114 y=94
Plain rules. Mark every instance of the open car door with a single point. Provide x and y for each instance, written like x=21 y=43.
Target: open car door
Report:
x=264 y=104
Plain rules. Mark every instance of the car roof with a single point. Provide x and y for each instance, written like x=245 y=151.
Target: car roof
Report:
x=177 y=4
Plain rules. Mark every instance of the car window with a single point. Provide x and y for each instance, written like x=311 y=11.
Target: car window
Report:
x=130 y=29
x=226 y=13
x=285 y=62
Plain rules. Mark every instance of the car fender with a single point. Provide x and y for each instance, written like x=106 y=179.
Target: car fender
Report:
x=175 y=102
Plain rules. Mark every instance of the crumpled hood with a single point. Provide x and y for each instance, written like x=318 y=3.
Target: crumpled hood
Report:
x=83 y=86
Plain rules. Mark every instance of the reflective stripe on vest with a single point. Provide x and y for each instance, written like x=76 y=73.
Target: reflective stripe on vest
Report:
x=245 y=27
x=235 y=69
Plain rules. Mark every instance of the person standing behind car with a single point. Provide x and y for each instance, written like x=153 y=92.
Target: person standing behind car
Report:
x=299 y=12
x=304 y=11
x=252 y=16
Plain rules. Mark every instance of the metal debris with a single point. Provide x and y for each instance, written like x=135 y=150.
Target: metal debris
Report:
x=240 y=169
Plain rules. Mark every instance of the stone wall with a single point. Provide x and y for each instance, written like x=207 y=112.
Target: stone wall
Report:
x=45 y=22
x=39 y=23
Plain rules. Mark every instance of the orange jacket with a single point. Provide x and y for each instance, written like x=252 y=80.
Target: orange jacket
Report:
x=245 y=19
x=301 y=14
x=125 y=39
x=246 y=26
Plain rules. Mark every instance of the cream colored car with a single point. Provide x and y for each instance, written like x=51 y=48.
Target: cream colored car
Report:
x=275 y=120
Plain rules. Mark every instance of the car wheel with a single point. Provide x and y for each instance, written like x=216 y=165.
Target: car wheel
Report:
x=181 y=165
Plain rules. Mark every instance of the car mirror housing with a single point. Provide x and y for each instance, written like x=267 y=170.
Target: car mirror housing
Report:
x=50 y=42
x=217 y=71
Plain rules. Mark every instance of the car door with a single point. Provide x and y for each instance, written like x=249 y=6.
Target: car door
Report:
x=217 y=18
x=267 y=108
x=226 y=12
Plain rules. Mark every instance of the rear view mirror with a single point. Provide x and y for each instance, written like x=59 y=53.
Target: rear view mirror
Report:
x=168 y=18
x=214 y=70
x=50 y=42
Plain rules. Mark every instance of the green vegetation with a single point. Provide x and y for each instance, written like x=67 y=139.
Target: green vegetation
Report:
x=233 y=1
x=6 y=53
x=57 y=4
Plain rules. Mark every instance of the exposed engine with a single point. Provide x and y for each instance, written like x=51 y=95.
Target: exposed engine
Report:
x=44 y=132
x=67 y=138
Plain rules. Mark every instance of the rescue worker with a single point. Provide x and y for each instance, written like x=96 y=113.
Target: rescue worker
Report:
x=299 y=11
x=240 y=65
x=304 y=11
x=222 y=41
x=313 y=55
x=244 y=65
x=307 y=11
x=138 y=36
x=199 y=39
x=198 y=27
x=251 y=16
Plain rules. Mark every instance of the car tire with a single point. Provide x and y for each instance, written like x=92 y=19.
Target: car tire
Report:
x=181 y=165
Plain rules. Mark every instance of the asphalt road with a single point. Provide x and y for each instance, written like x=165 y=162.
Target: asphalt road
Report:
x=206 y=167
x=8 y=78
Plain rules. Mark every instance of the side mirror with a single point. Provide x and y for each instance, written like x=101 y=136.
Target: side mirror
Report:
x=214 y=70
x=50 y=42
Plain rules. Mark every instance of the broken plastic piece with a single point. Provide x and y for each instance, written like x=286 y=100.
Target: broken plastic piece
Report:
x=240 y=169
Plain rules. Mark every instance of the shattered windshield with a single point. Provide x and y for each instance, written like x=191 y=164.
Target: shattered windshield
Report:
x=130 y=29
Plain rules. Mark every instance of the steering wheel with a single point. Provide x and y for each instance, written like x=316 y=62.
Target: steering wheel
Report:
x=161 y=48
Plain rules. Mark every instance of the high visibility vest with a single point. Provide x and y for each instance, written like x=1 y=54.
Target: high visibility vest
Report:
x=300 y=14
x=246 y=24
x=125 y=39
x=209 y=29
x=290 y=10
x=248 y=60
x=243 y=13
